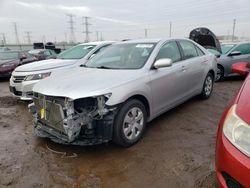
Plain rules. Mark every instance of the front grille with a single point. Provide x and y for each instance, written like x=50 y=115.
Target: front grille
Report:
x=18 y=79
x=231 y=182
x=53 y=114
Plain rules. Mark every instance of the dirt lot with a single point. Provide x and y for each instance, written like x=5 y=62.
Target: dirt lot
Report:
x=176 y=151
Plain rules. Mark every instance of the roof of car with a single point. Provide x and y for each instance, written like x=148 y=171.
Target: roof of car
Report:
x=35 y=51
x=236 y=43
x=152 y=40
x=97 y=43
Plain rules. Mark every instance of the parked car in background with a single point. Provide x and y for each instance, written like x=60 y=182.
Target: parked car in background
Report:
x=207 y=39
x=4 y=49
x=232 y=53
x=42 y=54
x=24 y=77
x=118 y=91
x=233 y=137
x=9 y=60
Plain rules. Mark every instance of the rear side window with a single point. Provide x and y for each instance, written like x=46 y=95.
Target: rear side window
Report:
x=169 y=50
x=243 y=48
x=189 y=50
x=199 y=51
x=47 y=53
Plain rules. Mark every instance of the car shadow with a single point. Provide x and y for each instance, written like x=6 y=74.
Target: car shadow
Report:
x=4 y=79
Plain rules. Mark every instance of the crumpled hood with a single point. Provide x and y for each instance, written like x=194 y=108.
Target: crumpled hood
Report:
x=7 y=61
x=45 y=64
x=82 y=82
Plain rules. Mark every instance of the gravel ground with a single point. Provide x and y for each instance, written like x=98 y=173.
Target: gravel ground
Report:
x=178 y=149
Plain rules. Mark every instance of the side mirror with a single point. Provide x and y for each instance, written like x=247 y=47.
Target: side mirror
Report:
x=241 y=68
x=234 y=53
x=161 y=63
x=23 y=57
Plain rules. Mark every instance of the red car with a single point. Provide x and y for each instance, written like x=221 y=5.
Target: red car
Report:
x=9 y=60
x=233 y=138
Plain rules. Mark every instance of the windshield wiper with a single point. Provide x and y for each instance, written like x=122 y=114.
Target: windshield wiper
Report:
x=83 y=65
x=103 y=67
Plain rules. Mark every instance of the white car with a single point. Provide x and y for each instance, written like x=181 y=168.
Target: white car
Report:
x=26 y=76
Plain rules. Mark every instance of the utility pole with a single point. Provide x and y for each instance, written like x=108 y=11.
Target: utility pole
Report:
x=86 y=24
x=66 y=37
x=16 y=33
x=28 y=37
x=4 y=38
x=97 y=35
x=234 y=23
x=146 y=33
x=101 y=38
x=71 y=27
x=170 y=29
x=44 y=39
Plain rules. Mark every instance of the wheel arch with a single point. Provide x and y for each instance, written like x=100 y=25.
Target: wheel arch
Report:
x=142 y=99
x=212 y=72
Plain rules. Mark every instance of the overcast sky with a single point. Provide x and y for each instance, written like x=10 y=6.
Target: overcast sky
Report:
x=120 y=19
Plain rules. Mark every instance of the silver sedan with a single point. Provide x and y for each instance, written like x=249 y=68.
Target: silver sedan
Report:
x=117 y=92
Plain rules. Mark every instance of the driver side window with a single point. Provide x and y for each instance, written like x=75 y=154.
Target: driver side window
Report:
x=169 y=50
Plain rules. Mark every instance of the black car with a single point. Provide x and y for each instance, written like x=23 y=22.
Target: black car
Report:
x=42 y=54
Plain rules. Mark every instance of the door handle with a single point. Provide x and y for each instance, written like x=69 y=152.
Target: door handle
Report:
x=183 y=68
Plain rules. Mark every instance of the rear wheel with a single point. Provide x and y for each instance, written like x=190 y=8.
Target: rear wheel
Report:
x=220 y=73
x=129 y=123
x=207 y=86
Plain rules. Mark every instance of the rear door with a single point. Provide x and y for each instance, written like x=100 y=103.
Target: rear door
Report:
x=193 y=68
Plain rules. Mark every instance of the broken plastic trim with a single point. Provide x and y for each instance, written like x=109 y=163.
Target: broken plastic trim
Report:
x=79 y=118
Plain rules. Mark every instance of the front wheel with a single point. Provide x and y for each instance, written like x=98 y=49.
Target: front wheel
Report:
x=207 y=86
x=129 y=123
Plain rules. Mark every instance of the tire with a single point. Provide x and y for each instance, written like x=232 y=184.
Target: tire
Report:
x=128 y=130
x=219 y=74
x=207 y=86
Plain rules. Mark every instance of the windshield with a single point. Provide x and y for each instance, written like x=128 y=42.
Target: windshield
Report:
x=122 y=56
x=226 y=48
x=76 y=52
x=9 y=55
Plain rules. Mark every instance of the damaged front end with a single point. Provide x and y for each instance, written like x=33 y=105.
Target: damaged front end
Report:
x=85 y=121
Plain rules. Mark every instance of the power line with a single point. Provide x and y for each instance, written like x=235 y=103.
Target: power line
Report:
x=86 y=24
x=71 y=27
